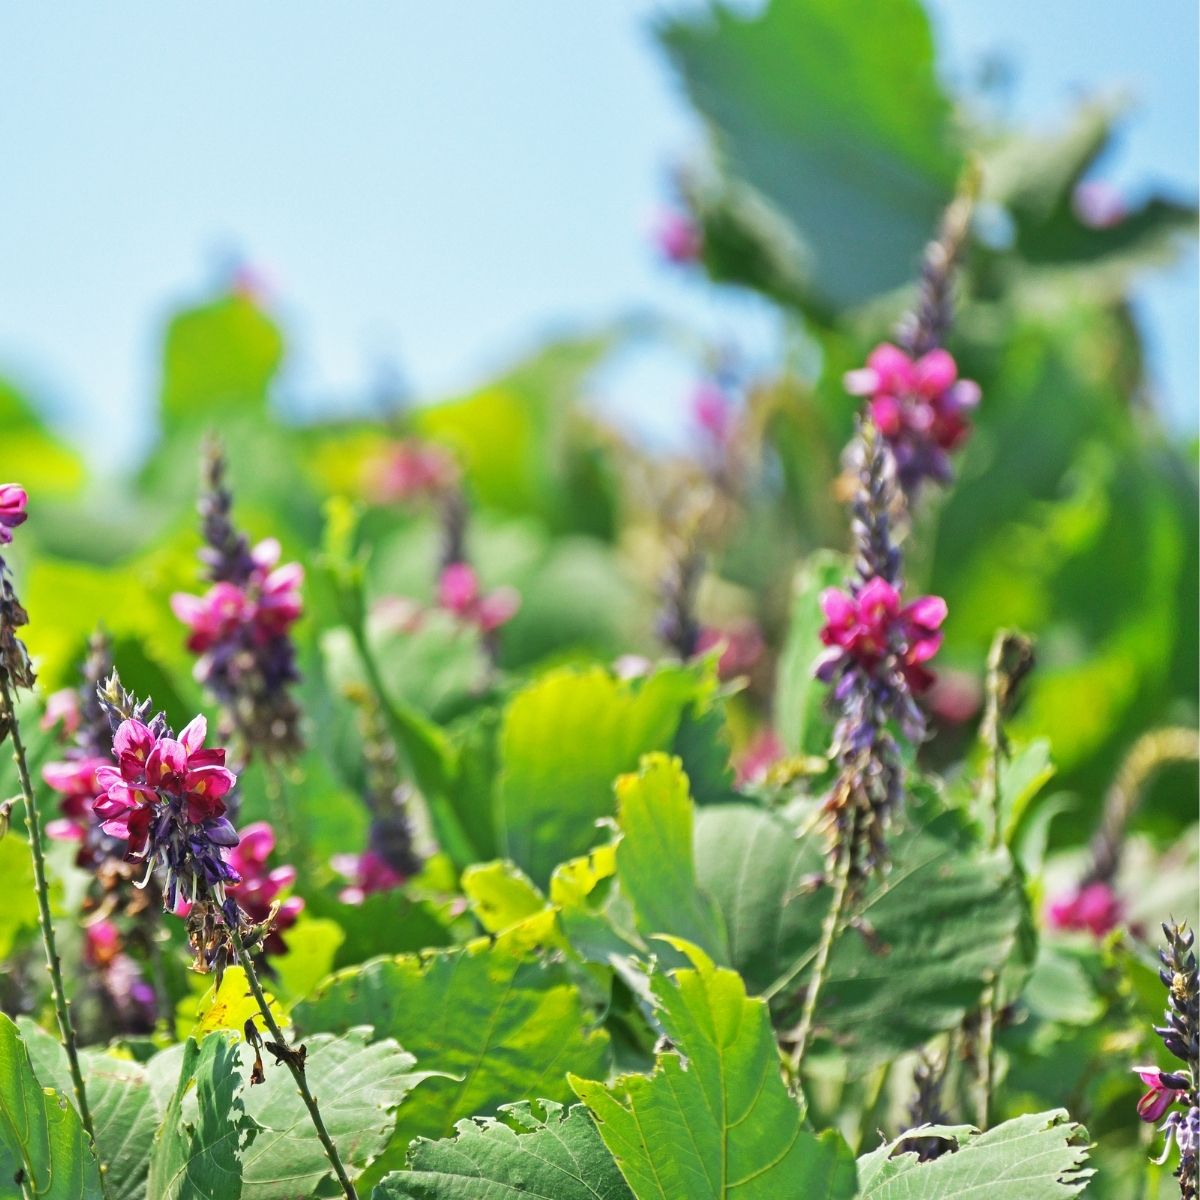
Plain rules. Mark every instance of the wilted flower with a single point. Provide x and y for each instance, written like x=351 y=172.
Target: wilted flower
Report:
x=919 y=405
x=1094 y=907
x=13 y=499
x=677 y=236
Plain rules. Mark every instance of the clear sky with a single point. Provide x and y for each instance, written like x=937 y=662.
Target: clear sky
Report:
x=436 y=186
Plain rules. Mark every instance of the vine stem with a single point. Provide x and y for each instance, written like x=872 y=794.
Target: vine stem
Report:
x=62 y=1009
x=290 y=1061
x=829 y=932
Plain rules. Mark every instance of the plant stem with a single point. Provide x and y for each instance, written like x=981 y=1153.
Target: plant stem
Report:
x=297 y=1070
x=62 y=1010
x=829 y=932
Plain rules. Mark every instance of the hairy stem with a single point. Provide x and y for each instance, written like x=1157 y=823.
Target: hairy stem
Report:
x=829 y=932
x=293 y=1064
x=62 y=1009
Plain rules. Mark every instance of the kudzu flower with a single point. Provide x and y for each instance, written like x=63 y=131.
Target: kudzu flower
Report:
x=409 y=470
x=366 y=873
x=920 y=406
x=14 y=658
x=13 y=501
x=62 y=708
x=677 y=236
x=876 y=663
x=459 y=593
x=261 y=887
x=1181 y=1036
x=760 y=755
x=164 y=797
x=240 y=627
x=120 y=977
x=741 y=645
x=869 y=631
x=1094 y=907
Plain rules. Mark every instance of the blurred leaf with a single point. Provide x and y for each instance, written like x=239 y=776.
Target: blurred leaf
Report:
x=20 y=911
x=714 y=1119
x=832 y=111
x=565 y=739
x=31 y=455
x=500 y=895
x=312 y=946
x=654 y=857
x=218 y=358
x=40 y=1133
x=359 y=1084
x=1035 y=1157
x=503 y=1024
x=231 y=1005
x=801 y=720
x=533 y=1149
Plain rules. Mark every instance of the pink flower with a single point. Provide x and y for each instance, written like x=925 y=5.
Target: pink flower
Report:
x=13 y=499
x=713 y=412
x=741 y=645
x=152 y=768
x=763 y=752
x=260 y=887
x=1094 y=907
x=1161 y=1095
x=677 y=236
x=920 y=406
x=62 y=706
x=367 y=873
x=101 y=943
x=459 y=593
x=1098 y=204
x=868 y=626
x=76 y=781
x=409 y=470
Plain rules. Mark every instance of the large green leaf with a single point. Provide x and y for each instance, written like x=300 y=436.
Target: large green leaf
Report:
x=40 y=1132
x=205 y=1130
x=565 y=739
x=927 y=934
x=655 y=857
x=830 y=109
x=124 y=1111
x=30 y=454
x=359 y=1086
x=532 y=1150
x=1035 y=1157
x=503 y=1024
x=714 y=1119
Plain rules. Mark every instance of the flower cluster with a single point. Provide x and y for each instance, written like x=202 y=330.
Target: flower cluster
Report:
x=876 y=663
x=459 y=592
x=125 y=990
x=241 y=627
x=868 y=630
x=163 y=796
x=259 y=891
x=677 y=237
x=920 y=406
x=15 y=666
x=741 y=644
x=1181 y=1036
x=1093 y=907
x=409 y=470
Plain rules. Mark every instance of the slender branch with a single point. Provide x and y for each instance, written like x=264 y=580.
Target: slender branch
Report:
x=294 y=1063
x=62 y=1010
x=829 y=931
x=985 y=1054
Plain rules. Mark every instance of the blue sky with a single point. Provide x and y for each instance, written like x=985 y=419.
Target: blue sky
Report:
x=438 y=186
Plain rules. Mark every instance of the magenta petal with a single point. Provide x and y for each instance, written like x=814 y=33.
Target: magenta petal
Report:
x=877 y=594
x=838 y=607
x=934 y=373
x=893 y=367
x=258 y=840
x=194 y=733
x=133 y=738
x=929 y=612
x=1155 y=1102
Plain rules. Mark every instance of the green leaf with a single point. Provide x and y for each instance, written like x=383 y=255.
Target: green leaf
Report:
x=714 y=1119
x=359 y=1086
x=20 y=911
x=40 y=1132
x=832 y=112
x=198 y=1151
x=927 y=936
x=532 y=1150
x=30 y=453
x=219 y=357
x=565 y=739
x=502 y=1023
x=1039 y=1156
x=655 y=857
x=801 y=721
x=500 y=895
x=124 y=1111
